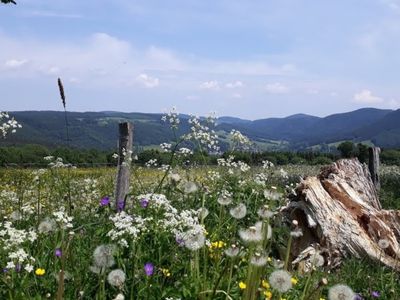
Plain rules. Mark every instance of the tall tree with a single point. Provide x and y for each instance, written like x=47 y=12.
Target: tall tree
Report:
x=8 y=1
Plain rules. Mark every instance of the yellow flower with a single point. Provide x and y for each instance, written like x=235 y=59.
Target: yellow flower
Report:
x=242 y=285
x=268 y=295
x=40 y=272
x=294 y=281
x=321 y=298
x=265 y=284
x=166 y=272
x=269 y=259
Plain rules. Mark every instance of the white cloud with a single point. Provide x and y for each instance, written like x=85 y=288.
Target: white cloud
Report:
x=15 y=63
x=276 y=88
x=192 y=97
x=236 y=95
x=366 y=97
x=236 y=84
x=210 y=85
x=394 y=104
x=147 y=81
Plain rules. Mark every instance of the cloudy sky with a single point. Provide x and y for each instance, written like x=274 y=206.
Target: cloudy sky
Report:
x=250 y=59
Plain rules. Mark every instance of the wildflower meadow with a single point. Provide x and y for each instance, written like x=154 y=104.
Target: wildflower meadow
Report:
x=183 y=232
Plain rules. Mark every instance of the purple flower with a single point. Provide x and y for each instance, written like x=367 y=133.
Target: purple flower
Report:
x=18 y=267
x=180 y=241
x=144 y=202
x=105 y=201
x=120 y=205
x=5 y=270
x=58 y=252
x=375 y=294
x=358 y=297
x=149 y=269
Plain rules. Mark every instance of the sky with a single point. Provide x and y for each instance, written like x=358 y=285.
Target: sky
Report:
x=248 y=59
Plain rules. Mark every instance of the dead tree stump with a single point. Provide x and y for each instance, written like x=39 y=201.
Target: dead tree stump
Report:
x=339 y=212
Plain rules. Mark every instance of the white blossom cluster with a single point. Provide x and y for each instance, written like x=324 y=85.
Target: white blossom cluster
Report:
x=172 y=118
x=267 y=164
x=239 y=140
x=151 y=163
x=184 y=225
x=63 y=219
x=127 y=157
x=56 y=163
x=231 y=164
x=203 y=134
x=184 y=151
x=7 y=125
x=165 y=147
x=261 y=179
x=12 y=239
x=126 y=226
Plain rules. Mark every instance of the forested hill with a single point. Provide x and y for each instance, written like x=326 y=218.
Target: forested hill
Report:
x=100 y=129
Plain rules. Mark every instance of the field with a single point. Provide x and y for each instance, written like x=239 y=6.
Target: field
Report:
x=185 y=233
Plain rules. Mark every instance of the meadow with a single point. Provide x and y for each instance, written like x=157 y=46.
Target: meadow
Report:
x=183 y=232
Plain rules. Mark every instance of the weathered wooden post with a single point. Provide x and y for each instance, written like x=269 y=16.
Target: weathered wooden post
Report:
x=374 y=166
x=124 y=162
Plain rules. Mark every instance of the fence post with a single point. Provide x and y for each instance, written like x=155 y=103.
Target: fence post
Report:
x=124 y=163
x=373 y=166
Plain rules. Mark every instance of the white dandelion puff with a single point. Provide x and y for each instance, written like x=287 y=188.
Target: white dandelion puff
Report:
x=232 y=251
x=340 y=292
x=383 y=243
x=252 y=234
x=116 y=277
x=238 y=212
x=103 y=256
x=317 y=260
x=194 y=241
x=296 y=233
x=189 y=187
x=258 y=260
x=224 y=200
x=47 y=226
x=281 y=280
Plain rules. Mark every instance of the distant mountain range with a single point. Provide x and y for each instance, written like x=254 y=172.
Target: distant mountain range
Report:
x=297 y=132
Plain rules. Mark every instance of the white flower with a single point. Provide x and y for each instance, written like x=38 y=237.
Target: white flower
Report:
x=281 y=280
x=174 y=177
x=296 y=233
x=340 y=292
x=28 y=268
x=265 y=213
x=116 y=277
x=238 y=212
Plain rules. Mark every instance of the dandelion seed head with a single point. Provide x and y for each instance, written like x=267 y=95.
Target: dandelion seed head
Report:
x=383 y=243
x=47 y=226
x=103 y=256
x=232 y=251
x=224 y=200
x=340 y=292
x=116 y=277
x=194 y=241
x=238 y=212
x=281 y=280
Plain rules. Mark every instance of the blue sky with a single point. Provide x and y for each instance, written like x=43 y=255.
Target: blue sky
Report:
x=251 y=59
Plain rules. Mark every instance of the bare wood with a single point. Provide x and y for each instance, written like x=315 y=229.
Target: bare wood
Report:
x=124 y=161
x=340 y=213
x=374 y=165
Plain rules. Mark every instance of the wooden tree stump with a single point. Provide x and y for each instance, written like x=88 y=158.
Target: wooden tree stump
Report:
x=339 y=212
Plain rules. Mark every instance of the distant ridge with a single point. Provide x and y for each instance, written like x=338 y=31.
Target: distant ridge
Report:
x=295 y=132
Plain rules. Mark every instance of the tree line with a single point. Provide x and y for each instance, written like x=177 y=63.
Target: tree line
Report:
x=33 y=155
